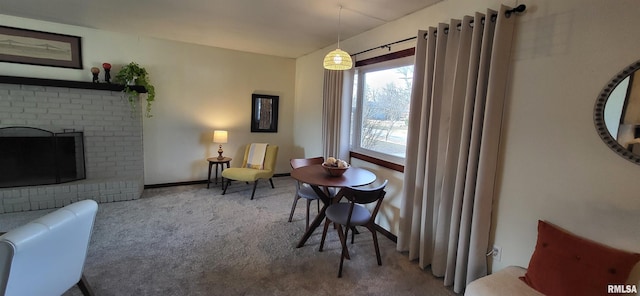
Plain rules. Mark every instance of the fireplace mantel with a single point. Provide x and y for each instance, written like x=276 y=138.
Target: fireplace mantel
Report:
x=67 y=83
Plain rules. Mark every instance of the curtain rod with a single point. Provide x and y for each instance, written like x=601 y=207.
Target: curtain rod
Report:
x=388 y=45
x=517 y=9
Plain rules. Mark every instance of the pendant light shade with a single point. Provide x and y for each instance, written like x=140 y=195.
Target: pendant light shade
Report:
x=338 y=59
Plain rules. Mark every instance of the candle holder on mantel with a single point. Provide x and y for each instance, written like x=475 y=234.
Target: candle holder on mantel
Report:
x=95 y=71
x=107 y=72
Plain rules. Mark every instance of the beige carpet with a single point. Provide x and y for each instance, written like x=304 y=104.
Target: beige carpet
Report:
x=189 y=240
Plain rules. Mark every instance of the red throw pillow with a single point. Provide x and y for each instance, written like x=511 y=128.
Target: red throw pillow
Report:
x=565 y=264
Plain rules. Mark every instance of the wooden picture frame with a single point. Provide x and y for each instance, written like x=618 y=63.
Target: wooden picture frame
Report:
x=264 y=113
x=24 y=46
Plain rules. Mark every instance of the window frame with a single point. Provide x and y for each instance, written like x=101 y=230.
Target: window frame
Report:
x=385 y=62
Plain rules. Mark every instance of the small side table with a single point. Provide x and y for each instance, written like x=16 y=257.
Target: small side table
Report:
x=220 y=163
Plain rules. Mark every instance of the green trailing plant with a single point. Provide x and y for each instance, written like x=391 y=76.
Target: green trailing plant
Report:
x=133 y=74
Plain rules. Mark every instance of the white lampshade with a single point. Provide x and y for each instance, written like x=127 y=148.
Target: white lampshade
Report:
x=219 y=136
x=338 y=60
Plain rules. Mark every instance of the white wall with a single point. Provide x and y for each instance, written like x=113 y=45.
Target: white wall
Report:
x=198 y=88
x=553 y=164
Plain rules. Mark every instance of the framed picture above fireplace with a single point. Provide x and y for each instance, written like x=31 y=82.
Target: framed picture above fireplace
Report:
x=40 y=48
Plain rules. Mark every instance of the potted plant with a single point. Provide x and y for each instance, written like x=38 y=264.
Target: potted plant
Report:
x=132 y=74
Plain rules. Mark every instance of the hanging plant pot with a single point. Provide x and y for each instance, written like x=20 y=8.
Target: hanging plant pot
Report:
x=132 y=74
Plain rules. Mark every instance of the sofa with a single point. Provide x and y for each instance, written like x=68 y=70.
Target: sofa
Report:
x=565 y=264
x=504 y=282
x=46 y=256
x=507 y=281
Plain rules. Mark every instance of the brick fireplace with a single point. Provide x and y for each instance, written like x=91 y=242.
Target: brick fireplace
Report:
x=112 y=140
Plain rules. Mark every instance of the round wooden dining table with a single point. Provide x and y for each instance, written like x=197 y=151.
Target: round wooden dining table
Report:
x=316 y=176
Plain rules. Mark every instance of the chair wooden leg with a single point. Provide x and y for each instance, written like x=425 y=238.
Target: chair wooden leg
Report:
x=308 y=206
x=224 y=190
x=375 y=243
x=84 y=286
x=341 y=263
x=343 y=239
x=353 y=234
x=345 y=252
x=271 y=181
x=255 y=184
x=293 y=207
x=324 y=233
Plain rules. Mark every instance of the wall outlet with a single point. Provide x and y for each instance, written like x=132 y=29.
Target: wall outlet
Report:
x=496 y=253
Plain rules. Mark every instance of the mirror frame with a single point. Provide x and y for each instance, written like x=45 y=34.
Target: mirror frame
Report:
x=257 y=116
x=598 y=114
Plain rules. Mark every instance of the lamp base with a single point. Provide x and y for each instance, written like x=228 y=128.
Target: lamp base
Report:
x=220 y=157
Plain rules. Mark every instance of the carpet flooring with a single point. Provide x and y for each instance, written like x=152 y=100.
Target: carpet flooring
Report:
x=190 y=240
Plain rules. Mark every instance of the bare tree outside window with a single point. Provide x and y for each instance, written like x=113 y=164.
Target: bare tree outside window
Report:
x=385 y=110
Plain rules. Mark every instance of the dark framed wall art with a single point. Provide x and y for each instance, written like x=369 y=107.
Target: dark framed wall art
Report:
x=264 y=113
x=40 y=48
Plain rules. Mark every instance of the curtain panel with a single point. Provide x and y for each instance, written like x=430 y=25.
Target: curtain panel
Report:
x=460 y=74
x=335 y=122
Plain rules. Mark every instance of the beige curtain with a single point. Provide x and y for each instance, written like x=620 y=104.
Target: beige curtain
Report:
x=460 y=76
x=335 y=123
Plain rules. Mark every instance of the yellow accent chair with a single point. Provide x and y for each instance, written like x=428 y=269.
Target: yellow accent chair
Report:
x=247 y=174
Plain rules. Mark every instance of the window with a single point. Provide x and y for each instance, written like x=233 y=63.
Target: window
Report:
x=380 y=109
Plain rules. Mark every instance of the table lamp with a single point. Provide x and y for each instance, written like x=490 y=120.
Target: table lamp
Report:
x=220 y=137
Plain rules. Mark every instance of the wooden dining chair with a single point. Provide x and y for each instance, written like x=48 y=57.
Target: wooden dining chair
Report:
x=354 y=213
x=303 y=190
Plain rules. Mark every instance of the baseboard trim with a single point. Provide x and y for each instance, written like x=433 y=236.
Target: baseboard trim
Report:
x=161 y=185
x=174 y=184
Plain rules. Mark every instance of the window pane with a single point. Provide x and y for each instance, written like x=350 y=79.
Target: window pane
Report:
x=385 y=110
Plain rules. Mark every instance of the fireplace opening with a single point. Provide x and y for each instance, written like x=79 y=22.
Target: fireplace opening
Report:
x=32 y=156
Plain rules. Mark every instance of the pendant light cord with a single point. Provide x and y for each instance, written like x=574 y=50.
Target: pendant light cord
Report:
x=339 y=24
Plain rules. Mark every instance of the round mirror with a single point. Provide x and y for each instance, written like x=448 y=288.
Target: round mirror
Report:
x=617 y=113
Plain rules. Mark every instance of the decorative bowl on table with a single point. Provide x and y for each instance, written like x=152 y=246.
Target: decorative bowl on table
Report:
x=334 y=171
x=335 y=167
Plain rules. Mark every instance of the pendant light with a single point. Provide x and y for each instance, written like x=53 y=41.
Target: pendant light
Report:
x=338 y=59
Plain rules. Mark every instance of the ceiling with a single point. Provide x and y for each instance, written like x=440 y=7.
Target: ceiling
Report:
x=287 y=28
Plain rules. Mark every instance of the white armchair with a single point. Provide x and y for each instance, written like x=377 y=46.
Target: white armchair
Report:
x=46 y=256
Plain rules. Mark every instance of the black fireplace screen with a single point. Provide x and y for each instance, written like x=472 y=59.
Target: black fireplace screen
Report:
x=32 y=156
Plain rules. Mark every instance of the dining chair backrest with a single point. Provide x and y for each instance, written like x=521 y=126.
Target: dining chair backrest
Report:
x=362 y=195
x=303 y=162
x=303 y=190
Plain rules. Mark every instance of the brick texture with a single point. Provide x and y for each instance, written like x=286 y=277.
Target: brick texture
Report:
x=112 y=139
